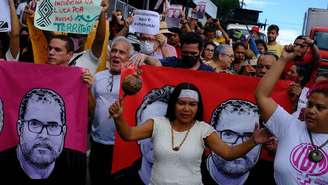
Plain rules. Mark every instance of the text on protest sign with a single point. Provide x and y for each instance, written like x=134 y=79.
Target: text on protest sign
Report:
x=5 y=25
x=71 y=16
x=145 y=21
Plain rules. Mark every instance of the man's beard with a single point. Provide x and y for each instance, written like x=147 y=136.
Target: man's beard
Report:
x=235 y=168
x=40 y=158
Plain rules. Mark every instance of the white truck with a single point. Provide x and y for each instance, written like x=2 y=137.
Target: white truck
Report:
x=315 y=17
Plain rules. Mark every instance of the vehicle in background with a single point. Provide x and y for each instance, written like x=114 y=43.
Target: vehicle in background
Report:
x=238 y=22
x=235 y=29
x=320 y=36
x=316 y=26
x=314 y=17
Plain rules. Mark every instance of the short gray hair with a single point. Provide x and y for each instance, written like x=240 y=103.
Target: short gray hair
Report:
x=124 y=40
x=220 y=49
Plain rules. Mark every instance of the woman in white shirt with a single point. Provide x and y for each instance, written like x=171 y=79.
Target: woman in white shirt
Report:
x=301 y=156
x=180 y=137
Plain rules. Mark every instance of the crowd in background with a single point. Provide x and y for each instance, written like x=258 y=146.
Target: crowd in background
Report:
x=193 y=46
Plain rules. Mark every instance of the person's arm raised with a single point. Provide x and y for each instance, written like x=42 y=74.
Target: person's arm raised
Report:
x=97 y=44
x=125 y=131
x=264 y=89
x=14 y=44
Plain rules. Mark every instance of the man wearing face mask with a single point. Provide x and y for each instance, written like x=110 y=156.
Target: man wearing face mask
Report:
x=156 y=46
x=191 y=47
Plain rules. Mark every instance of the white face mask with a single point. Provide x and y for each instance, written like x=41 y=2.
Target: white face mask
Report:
x=218 y=33
x=119 y=17
x=147 y=47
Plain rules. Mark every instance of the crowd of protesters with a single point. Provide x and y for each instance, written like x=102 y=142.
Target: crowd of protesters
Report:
x=192 y=46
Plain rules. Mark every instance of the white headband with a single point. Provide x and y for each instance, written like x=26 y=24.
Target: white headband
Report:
x=188 y=93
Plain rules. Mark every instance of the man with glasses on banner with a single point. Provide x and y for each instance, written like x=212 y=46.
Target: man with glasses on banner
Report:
x=41 y=128
x=234 y=121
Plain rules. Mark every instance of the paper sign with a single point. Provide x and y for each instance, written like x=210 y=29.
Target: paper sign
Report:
x=173 y=15
x=5 y=25
x=199 y=11
x=70 y=16
x=145 y=21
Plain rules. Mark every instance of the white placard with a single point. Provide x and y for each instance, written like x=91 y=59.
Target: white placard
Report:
x=145 y=21
x=5 y=24
x=199 y=11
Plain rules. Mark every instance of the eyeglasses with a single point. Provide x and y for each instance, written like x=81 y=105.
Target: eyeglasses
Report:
x=210 y=50
x=231 y=137
x=300 y=45
x=36 y=126
x=230 y=56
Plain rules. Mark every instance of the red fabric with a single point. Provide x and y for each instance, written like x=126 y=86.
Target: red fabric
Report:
x=266 y=155
x=306 y=60
x=178 y=50
x=214 y=87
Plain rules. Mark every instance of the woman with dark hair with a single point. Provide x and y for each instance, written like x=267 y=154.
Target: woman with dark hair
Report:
x=180 y=137
x=301 y=156
x=208 y=53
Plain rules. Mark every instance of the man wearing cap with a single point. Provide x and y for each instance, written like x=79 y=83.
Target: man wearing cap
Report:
x=255 y=31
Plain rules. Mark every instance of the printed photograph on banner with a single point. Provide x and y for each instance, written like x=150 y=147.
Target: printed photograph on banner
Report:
x=154 y=104
x=224 y=105
x=199 y=11
x=234 y=120
x=145 y=21
x=174 y=15
x=74 y=16
x=5 y=23
x=45 y=141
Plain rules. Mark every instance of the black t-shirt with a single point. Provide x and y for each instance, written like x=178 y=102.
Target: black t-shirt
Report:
x=70 y=168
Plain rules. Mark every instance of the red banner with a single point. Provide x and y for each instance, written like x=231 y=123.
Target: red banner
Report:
x=215 y=88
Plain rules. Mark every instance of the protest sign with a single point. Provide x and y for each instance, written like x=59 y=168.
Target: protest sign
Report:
x=71 y=16
x=199 y=11
x=145 y=21
x=173 y=15
x=5 y=25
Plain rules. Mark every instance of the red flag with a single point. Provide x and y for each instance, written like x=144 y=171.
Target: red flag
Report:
x=215 y=88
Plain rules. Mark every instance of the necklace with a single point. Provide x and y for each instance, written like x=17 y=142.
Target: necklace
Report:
x=110 y=83
x=177 y=148
x=315 y=154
